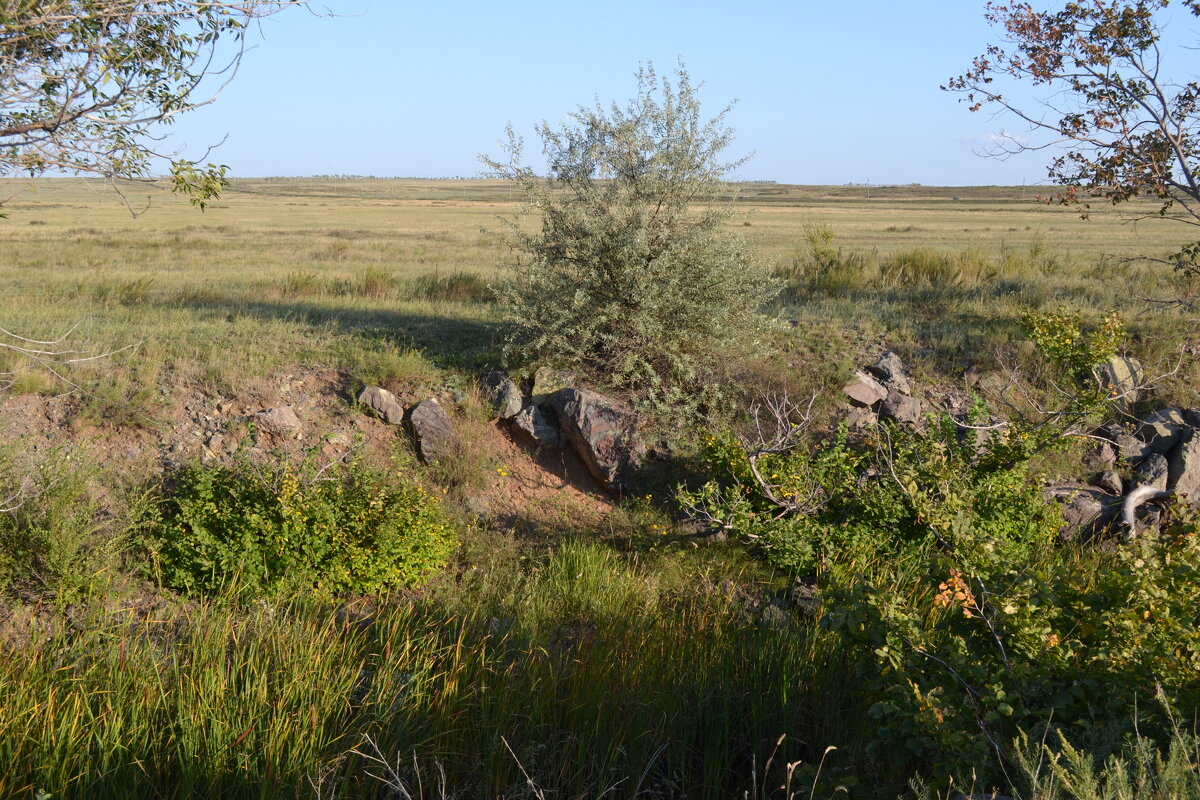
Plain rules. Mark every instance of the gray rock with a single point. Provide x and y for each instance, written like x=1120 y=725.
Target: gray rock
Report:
x=383 y=403
x=1110 y=481
x=604 y=433
x=1192 y=417
x=1086 y=510
x=281 y=421
x=546 y=382
x=1162 y=430
x=1130 y=448
x=1121 y=375
x=864 y=390
x=503 y=394
x=890 y=370
x=862 y=418
x=772 y=616
x=1153 y=471
x=532 y=426
x=1184 y=464
x=434 y=431
x=478 y=506
x=901 y=408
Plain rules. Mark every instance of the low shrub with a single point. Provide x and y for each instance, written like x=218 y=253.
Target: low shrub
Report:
x=340 y=530
x=891 y=492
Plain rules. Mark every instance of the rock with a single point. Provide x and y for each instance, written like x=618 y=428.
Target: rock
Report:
x=1110 y=482
x=1086 y=510
x=478 y=506
x=546 y=382
x=503 y=394
x=1153 y=471
x=603 y=432
x=864 y=390
x=434 y=431
x=890 y=370
x=772 y=616
x=1184 y=470
x=532 y=426
x=806 y=597
x=901 y=408
x=1130 y=448
x=1162 y=430
x=281 y=421
x=862 y=418
x=1121 y=375
x=383 y=403
x=1192 y=417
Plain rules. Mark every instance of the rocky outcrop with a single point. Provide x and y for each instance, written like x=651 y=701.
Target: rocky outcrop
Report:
x=604 y=434
x=383 y=403
x=900 y=408
x=535 y=428
x=1162 y=430
x=864 y=390
x=502 y=393
x=1154 y=472
x=1086 y=510
x=434 y=431
x=546 y=382
x=1121 y=375
x=889 y=369
x=1185 y=469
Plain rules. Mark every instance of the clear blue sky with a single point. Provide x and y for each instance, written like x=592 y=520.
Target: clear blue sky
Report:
x=828 y=92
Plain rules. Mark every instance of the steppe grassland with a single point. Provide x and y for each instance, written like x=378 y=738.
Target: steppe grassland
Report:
x=362 y=272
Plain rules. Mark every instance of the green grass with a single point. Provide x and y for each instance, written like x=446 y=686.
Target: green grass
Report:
x=584 y=672
x=635 y=665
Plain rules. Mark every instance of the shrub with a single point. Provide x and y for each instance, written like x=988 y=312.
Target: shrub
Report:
x=633 y=274
x=340 y=530
x=891 y=492
x=56 y=534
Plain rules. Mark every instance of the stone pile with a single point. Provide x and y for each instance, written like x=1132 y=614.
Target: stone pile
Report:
x=1160 y=452
x=555 y=413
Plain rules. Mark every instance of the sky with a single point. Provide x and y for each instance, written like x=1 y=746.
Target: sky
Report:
x=826 y=92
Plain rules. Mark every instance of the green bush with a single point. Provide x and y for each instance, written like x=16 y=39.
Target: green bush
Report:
x=890 y=492
x=56 y=533
x=343 y=530
x=970 y=649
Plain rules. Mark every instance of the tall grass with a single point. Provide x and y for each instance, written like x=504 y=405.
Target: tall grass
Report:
x=582 y=677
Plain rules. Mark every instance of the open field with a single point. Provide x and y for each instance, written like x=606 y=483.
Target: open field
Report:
x=577 y=645
x=325 y=270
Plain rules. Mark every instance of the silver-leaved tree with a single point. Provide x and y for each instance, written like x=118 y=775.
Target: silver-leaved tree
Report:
x=629 y=270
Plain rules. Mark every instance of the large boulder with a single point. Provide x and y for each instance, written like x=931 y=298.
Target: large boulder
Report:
x=901 y=408
x=534 y=427
x=383 y=403
x=502 y=393
x=1121 y=375
x=434 y=431
x=1184 y=465
x=1163 y=429
x=281 y=422
x=1086 y=510
x=604 y=433
x=889 y=369
x=1154 y=472
x=864 y=390
x=547 y=381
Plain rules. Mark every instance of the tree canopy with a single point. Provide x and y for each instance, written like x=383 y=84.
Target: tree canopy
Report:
x=86 y=85
x=633 y=274
x=1124 y=126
